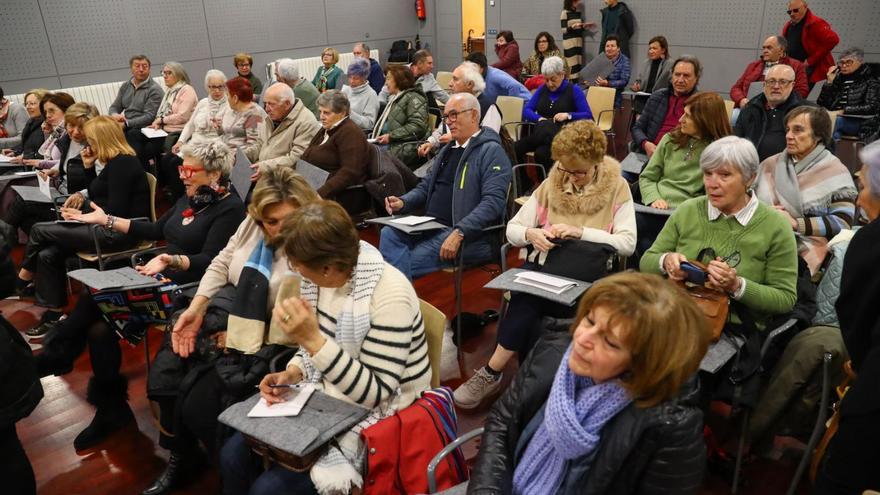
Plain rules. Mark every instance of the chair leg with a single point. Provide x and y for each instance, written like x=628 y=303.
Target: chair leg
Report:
x=739 y=450
x=818 y=428
x=147 y=349
x=458 y=281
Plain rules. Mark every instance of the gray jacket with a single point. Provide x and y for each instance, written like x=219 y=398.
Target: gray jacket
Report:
x=664 y=74
x=138 y=104
x=364 y=105
x=16 y=119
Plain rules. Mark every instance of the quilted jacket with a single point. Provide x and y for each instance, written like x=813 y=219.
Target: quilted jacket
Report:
x=862 y=96
x=407 y=123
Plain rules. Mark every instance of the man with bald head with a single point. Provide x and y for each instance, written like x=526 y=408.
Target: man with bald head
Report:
x=810 y=40
x=773 y=52
x=762 y=120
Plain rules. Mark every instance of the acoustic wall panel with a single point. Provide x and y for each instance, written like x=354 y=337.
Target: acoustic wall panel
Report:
x=353 y=20
x=172 y=29
x=526 y=20
x=87 y=35
x=264 y=25
x=24 y=47
x=855 y=23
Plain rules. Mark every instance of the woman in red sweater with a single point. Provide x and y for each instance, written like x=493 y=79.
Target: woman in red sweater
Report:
x=507 y=50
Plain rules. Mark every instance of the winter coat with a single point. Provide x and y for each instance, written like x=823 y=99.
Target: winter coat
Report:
x=752 y=121
x=508 y=59
x=287 y=141
x=829 y=287
x=818 y=39
x=649 y=122
x=625 y=28
x=862 y=96
x=755 y=72
x=21 y=390
x=664 y=74
x=407 y=124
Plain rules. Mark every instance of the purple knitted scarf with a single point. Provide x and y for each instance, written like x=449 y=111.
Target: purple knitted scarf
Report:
x=575 y=413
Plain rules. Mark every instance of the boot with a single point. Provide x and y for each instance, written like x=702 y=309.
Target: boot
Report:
x=110 y=398
x=170 y=478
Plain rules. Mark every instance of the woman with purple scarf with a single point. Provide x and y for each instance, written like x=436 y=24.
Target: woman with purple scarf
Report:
x=609 y=407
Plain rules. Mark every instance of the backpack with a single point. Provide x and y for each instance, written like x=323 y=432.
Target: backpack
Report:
x=401 y=51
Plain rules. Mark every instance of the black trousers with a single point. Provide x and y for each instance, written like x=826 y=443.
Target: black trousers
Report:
x=538 y=143
x=24 y=214
x=853 y=458
x=648 y=227
x=15 y=470
x=197 y=418
x=521 y=326
x=149 y=148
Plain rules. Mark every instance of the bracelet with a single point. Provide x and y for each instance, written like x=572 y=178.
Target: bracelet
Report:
x=110 y=220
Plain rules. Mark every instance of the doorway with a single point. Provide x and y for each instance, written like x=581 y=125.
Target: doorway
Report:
x=473 y=26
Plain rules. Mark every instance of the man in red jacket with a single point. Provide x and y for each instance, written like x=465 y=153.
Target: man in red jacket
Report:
x=810 y=39
x=772 y=53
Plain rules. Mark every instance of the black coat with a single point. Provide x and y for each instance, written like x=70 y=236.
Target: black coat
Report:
x=625 y=27
x=654 y=450
x=752 y=121
x=32 y=138
x=20 y=388
x=646 y=127
x=862 y=96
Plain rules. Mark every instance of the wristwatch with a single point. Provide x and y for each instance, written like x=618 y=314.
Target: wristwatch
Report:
x=459 y=232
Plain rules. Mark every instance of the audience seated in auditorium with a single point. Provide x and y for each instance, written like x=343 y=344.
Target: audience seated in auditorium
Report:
x=137 y=101
x=340 y=148
x=226 y=329
x=52 y=107
x=810 y=40
x=545 y=46
x=619 y=77
x=665 y=106
x=850 y=87
x=573 y=25
x=361 y=340
x=192 y=242
x=177 y=106
x=507 y=51
x=761 y=119
x=287 y=72
x=608 y=406
x=655 y=71
x=808 y=185
x=498 y=82
x=363 y=100
x=465 y=190
x=329 y=76
x=422 y=68
x=120 y=188
x=556 y=102
x=376 y=76
x=13 y=118
x=584 y=198
x=772 y=54
x=617 y=20
x=293 y=130
x=32 y=133
x=244 y=64
x=852 y=459
x=403 y=123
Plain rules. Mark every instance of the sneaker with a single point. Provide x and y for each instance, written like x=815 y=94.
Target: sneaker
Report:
x=470 y=394
x=46 y=323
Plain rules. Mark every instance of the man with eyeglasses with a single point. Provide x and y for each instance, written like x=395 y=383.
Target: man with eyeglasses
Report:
x=851 y=88
x=773 y=52
x=762 y=119
x=138 y=99
x=466 y=191
x=810 y=40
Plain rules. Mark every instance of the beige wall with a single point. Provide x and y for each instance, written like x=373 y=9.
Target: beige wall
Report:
x=473 y=16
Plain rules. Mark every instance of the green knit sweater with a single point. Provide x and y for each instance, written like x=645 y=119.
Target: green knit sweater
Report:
x=767 y=247
x=668 y=176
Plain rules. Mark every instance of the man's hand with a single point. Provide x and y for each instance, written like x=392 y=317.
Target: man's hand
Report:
x=393 y=204
x=450 y=246
x=649 y=148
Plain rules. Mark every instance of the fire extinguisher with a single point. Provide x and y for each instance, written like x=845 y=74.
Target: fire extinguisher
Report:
x=421 y=11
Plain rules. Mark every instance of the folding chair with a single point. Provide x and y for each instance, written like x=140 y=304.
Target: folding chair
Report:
x=432 y=466
x=511 y=112
x=601 y=102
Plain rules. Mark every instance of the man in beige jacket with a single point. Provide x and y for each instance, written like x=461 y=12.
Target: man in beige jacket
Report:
x=293 y=130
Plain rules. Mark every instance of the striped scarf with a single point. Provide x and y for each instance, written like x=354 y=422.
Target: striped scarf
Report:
x=246 y=328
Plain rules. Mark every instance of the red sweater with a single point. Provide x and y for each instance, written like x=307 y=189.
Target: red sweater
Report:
x=755 y=72
x=818 y=40
x=508 y=59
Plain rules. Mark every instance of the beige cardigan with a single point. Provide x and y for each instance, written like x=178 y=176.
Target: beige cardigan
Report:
x=287 y=141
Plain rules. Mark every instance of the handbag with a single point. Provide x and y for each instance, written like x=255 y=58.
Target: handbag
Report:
x=581 y=260
x=714 y=304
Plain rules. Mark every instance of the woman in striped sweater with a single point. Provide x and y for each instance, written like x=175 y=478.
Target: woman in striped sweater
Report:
x=361 y=338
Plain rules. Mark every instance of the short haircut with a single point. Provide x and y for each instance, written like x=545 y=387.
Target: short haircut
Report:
x=552 y=66
x=853 y=52
x=403 y=77
x=690 y=59
x=581 y=138
x=241 y=88
x=661 y=40
x=60 y=99
x=335 y=101
x=321 y=234
x=568 y=4
x=733 y=151
x=287 y=69
x=470 y=102
x=365 y=47
x=178 y=71
x=664 y=331
x=470 y=73
x=39 y=94
x=280 y=185
x=614 y=38
x=285 y=93
x=139 y=57
x=820 y=121
x=107 y=139
x=870 y=156
x=478 y=58
x=334 y=53
x=420 y=56
x=781 y=41
x=710 y=117
x=214 y=74
x=359 y=67
x=79 y=113
x=551 y=42
x=506 y=34
x=241 y=58
x=214 y=155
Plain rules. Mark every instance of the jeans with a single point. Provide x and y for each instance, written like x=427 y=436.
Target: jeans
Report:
x=846 y=126
x=417 y=255
x=243 y=475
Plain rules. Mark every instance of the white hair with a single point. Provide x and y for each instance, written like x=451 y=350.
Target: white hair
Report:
x=283 y=91
x=734 y=151
x=870 y=156
x=470 y=73
x=214 y=155
x=470 y=102
x=214 y=74
x=789 y=71
x=287 y=69
x=552 y=66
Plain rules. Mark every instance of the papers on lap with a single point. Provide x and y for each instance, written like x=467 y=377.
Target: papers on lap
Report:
x=292 y=405
x=402 y=223
x=411 y=220
x=153 y=133
x=546 y=282
x=551 y=287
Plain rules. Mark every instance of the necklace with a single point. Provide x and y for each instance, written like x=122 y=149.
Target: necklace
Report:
x=691 y=145
x=189 y=215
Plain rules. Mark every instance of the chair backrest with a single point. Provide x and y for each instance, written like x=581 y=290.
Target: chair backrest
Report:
x=435 y=324
x=151 y=180
x=601 y=101
x=444 y=78
x=432 y=120
x=309 y=65
x=729 y=104
x=814 y=93
x=833 y=114
x=511 y=111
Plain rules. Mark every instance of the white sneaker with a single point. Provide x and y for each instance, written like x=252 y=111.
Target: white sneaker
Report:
x=470 y=394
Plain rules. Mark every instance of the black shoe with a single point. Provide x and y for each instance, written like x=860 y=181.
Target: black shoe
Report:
x=47 y=322
x=170 y=478
x=110 y=397
x=24 y=289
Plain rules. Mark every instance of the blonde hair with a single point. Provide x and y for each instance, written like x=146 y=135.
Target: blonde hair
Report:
x=280 y=185
x=664 y=331
x=79 y=113
x=38 y=92
x=331 y=51
x=583 y=139
x=107 y=138
x=242 y=57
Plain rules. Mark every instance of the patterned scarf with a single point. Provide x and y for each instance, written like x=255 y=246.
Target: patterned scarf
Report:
x=247 y=320
x=168 y=99
x=575 y=414
x=46 y=148
x=322 y=81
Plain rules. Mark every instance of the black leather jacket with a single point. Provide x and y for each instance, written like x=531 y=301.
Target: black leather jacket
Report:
x=642 y=451
x=862 y=96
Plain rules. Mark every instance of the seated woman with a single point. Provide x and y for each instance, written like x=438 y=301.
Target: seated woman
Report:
x=583 y=198
x=808 y=185
x=174 y=111
x=362 y=99
x=545 y=47
x=329 y=76
x=507 y=51
x=851 y=88
x=245 y=122
x=608 y=408
x=655 y=72
x=120 y=188
x=199 y=128
x=362 y=340
x=244 y=64
x=32 y=134
x=673 y=174
x=13 y=119
x=52 y=108
x=404 y=122
x=340 y=148
x=228 y=316
x=192 y=242
x=553 y=104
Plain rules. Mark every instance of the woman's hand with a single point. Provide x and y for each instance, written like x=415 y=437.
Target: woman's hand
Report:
x=562 y=117
x=49 y=172
x=672 y=266
x=722 y=277
x=88 y=156
x=155 y=265
x=296 y=317
x=183 y=336
x=563 y=231
x=601 y=81
x=791 y=220
x=33 y=162
x=155 y=124
x=176 y=148
x=287 y=377
x=636 y=86
x=660 y=204
x=384 y=139
x=8 y=152
x=831 y=74
x=540 y=239
x=74 y=201
x=95 y=217
x=46 y=127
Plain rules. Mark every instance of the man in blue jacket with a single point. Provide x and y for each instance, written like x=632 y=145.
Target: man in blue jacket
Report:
x=498 y=82
x=466 y=190
x=377 y=77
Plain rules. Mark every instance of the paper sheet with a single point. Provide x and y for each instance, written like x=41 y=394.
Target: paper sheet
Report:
x=26 y=173
x=45 y=188
x=153 y=133
x=295 y=401
x=5 y=159
x=411 y=220
x=240 y=177
x=544 y=282
x=315 y=176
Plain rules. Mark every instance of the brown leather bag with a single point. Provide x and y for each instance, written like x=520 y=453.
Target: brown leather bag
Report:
x=714 y=304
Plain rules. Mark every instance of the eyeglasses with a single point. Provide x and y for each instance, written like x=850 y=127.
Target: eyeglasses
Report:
x=778 y=82
x=167 y=73
x=577 y=174
x=793 y=11
x=452 y=116
x=187 y=171
x=216 y=86
x=845 y=63
x=542 y=41
x=708 y=254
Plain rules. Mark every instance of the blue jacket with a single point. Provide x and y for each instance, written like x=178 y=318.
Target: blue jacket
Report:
x=482 y=180
x=619 y=77
x=582 y=108
x=499 y=83
x=377 y=77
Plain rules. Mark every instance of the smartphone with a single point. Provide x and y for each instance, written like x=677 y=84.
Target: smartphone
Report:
x=695 y=274
x=556 y=241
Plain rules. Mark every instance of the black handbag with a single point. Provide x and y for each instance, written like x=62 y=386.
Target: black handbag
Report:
x=581 y=260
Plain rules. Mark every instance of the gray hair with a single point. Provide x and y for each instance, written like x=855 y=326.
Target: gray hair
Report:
x=359 y=67
x=853 y=52
x=470 y=73
x=870 y=156
x=334 y=100
x=734 y=151
x=552 y=66
x=215 y=74
x=789 y=71
x=287 y=69
x=364 y=46
x=214 y=155
x=470 y=102
x=179 y=72
x=781 y=42
x=690 y=59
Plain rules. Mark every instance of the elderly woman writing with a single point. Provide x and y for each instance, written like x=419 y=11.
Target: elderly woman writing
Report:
x=404 y=122
x=358 y=324
x=583 y=199
x=329 y=76
x=586 y=403
x=808 y=185
x=362 y=99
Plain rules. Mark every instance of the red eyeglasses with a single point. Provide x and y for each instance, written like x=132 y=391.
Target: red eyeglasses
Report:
x=187 y=171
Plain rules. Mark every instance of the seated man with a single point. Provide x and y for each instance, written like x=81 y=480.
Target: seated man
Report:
x=294 y=128
x=287 y=72
x=465 y=190
x=851 y=88
x=773 y=52
x=377 y=75
x=619 y=77
x=666 y=106
x=422 y=68
x=363 y=100
x=138 y=99
x=498 y=82
x=761 y=121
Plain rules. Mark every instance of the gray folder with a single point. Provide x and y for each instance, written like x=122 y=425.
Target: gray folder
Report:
x=653 y=211
x=315 y=176
x=33 y=194
x=120 y=278
x=634 y=163
x=241 y=174
x=507 y=281
x=600 y=66
x=409 y=229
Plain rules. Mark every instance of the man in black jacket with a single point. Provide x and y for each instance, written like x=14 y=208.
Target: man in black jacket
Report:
x=617 y=19
x=762 y=120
